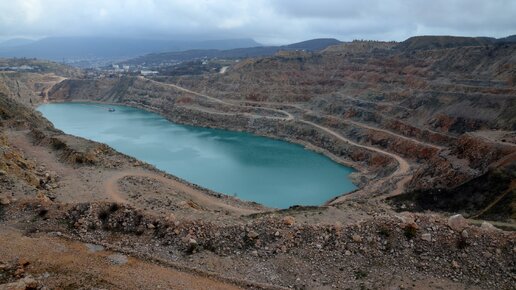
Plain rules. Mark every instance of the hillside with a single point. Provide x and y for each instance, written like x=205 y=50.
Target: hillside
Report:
x=73 y=49
x=446 y=90
x=430 y=130
x=439 y=42
x=15 y=42
x=157 y=59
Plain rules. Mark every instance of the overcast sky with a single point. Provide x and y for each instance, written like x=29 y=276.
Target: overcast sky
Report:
x=266 y=21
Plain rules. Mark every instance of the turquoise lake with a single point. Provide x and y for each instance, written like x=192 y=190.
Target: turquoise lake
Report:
x=271 y=172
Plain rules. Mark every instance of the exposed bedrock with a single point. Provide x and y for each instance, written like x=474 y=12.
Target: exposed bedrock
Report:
x=491 y=195
x=469 y=157
x=452 y=90
x=436 y=166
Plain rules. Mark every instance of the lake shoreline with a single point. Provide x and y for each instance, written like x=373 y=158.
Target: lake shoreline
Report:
x=261 y=198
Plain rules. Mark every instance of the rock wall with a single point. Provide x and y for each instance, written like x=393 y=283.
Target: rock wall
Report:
x=449 y=90
x=468 y=158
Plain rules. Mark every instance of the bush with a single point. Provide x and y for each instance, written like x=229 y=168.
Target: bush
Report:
x=384 y=232
x=410 y=231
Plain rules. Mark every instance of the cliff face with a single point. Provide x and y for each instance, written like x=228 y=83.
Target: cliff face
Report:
x=468 y=157
x=474 y=176
x=491 y=195
x=454 y=90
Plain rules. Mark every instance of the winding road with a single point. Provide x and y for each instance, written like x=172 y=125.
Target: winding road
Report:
x=287 y=114
x=113 y=191
x=402 y=173
x=402 y=170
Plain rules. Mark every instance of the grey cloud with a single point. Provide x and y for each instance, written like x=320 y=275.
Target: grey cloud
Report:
x=269 y=21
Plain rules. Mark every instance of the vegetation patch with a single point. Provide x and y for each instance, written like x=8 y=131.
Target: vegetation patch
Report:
x=410 y=231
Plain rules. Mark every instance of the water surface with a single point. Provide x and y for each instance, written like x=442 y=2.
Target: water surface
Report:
x=272 y=172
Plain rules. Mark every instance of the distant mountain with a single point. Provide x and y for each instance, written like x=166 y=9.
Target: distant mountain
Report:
x=437 y=42
x=155 y=59
x=312 y=45
x=16 y=42
x=76 y=48
x=508 y=39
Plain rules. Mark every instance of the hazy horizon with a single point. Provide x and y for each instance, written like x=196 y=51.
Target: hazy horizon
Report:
x=269 y=22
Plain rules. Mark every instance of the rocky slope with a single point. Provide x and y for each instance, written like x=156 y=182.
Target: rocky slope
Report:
x=416 y=104
x=94 y=208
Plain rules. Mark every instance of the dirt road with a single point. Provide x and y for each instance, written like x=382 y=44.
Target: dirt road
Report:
x=113 y=191
x=72 y=265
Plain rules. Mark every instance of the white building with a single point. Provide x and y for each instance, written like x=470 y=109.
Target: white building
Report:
x=148 y=72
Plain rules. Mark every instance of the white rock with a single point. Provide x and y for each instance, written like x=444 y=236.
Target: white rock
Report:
x=118 y=259
x=457 y=222
x=192 y=241
x=426 y=237
x=488 y=227
x=92 y=248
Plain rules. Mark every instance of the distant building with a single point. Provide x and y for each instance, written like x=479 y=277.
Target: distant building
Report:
x=18 y=68
x=148 y=72
x=26 y=67
x=125 y=67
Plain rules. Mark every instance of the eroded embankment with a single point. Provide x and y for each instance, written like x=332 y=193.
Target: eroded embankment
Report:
x=260 y=252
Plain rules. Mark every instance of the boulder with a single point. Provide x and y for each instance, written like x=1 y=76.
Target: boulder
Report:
x=192 y=245
x=487 y=227
x=457 y=222
x=22 y=284
x=252 y=235
x=289 y=220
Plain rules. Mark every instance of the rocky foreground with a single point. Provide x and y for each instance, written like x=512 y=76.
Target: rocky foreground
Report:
x=272 y=250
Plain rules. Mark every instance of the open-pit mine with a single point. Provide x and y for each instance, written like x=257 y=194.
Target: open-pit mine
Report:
x=378 y=165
